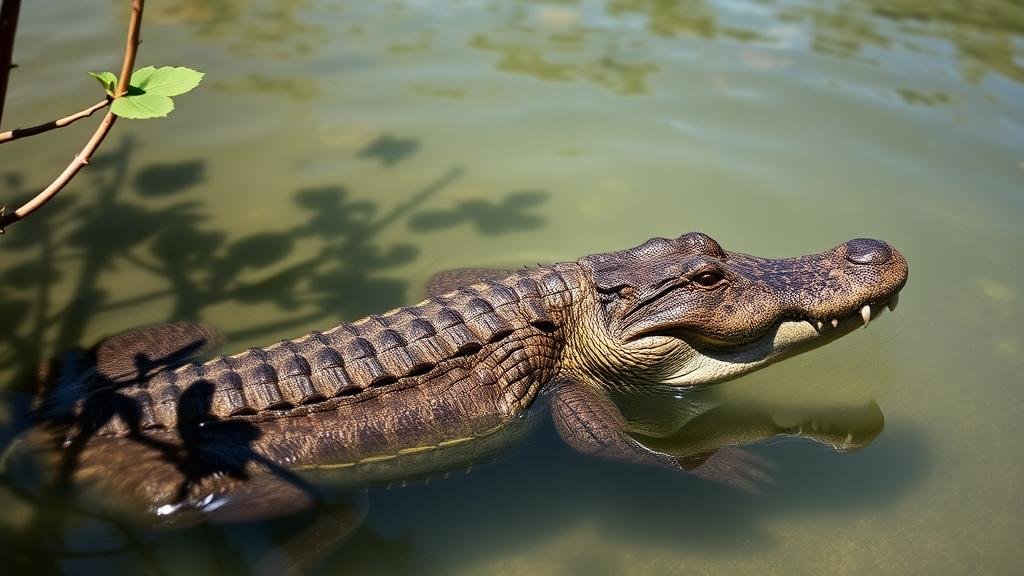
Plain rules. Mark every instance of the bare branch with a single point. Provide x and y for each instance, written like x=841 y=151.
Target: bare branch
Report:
x=47 y=126
x=83 y=157
x=130 y=49
x=8 y=26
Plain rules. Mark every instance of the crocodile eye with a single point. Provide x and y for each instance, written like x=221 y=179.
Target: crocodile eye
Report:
x=708 y=279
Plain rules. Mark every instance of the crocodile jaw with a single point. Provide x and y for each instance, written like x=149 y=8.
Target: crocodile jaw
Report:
x=698 y=365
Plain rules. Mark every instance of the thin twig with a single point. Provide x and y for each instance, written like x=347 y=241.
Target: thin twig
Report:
x=58 y=123
x=8 y=26
x=130 y=49
x=83 y=157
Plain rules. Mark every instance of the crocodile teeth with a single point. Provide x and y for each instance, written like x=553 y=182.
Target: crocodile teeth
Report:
x=865 y=314
x=893 y=302
x=835 y=322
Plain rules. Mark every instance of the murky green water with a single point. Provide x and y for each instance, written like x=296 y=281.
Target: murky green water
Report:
x=338 y=155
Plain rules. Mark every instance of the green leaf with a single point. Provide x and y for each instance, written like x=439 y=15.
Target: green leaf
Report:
x=140 y=106
x=141 y=75
x=108 y=79
x=167 y=80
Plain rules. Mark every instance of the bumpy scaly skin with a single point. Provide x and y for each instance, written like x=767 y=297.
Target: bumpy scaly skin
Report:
x=464 y=365
x=456 y=365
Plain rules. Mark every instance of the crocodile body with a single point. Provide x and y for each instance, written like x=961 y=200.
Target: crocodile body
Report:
x=452 y=367
x=462 y=366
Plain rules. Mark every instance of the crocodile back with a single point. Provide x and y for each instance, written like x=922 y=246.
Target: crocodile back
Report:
x=406 y=347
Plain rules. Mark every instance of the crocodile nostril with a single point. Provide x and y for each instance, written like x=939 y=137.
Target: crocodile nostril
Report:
x=867 y=251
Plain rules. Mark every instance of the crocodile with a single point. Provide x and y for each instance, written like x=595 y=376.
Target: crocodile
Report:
x=454 y=370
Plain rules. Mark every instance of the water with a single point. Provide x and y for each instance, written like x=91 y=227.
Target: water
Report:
x=337 y=156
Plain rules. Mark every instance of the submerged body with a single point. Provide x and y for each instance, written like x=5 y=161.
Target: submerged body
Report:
x=455 y=370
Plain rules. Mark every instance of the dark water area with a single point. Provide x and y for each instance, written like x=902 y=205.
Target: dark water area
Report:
x=338 y=155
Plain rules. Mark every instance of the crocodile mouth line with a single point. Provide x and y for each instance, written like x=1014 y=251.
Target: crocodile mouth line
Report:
x=824 y=327
x=865 y=313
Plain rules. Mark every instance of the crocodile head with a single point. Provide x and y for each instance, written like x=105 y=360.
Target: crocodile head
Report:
x=685 y=312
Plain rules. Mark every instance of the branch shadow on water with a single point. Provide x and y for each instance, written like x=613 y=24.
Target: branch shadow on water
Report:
x=488 y=217
x=122 y=223
x=390 y=150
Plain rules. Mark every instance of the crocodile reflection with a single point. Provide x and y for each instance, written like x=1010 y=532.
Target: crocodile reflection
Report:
x=702 y=435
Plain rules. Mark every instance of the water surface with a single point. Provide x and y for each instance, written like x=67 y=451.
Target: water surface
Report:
x=338 y=155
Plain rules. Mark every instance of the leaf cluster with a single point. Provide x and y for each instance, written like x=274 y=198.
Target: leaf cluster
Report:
x=150 y=90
